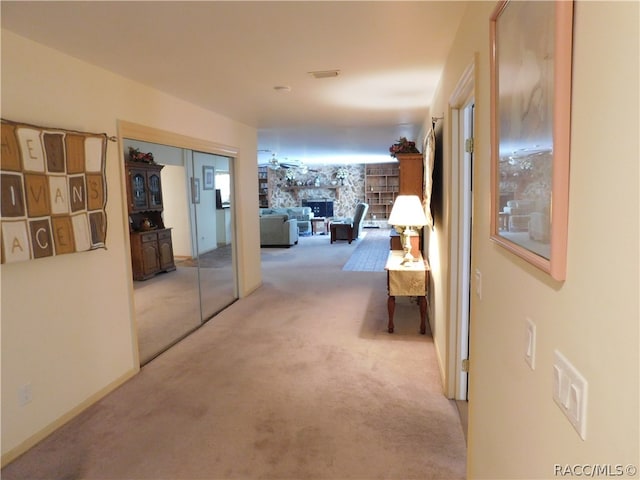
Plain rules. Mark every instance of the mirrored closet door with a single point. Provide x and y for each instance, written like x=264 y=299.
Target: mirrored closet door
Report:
x=194 y=227
x=213 y=215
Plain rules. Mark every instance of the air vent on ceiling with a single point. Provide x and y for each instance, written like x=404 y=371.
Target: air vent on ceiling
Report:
x=325 y=73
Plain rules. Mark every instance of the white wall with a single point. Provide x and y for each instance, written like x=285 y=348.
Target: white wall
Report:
x=67 y=321
x=515 y=428
x=205 y=210
x=176 y=198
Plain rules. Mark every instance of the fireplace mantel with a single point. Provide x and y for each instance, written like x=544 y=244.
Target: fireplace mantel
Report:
x=296 y=188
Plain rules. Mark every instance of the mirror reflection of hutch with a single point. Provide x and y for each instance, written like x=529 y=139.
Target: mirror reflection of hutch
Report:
x=151 y=246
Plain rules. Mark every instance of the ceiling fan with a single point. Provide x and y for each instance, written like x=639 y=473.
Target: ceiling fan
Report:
x=276 y=164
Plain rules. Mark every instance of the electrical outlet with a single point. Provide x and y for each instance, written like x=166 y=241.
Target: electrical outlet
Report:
x=25 y=394
x=530 y=343
x=570 y=392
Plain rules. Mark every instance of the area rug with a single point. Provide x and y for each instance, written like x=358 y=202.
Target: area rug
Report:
x=371 y=253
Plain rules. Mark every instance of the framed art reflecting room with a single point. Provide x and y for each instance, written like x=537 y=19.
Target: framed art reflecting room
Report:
x=531 y=49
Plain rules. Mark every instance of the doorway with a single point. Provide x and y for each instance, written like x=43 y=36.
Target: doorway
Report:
x=462 y=125
x=171 y=305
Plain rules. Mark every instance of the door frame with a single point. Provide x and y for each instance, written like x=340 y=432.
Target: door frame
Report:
x=461 y=227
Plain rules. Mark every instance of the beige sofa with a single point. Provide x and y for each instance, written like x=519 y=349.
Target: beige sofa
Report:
x=278 y=231
x=303 y=215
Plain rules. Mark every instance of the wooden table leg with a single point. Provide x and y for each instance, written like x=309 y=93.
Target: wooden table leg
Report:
x=391 y=307
x=422 y=301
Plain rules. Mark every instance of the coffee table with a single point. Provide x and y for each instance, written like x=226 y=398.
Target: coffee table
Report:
x=323 y=220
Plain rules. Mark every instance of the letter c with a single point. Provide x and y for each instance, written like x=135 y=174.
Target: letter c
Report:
x=42 y=244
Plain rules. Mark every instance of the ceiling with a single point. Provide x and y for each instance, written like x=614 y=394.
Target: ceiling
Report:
x=227 y=56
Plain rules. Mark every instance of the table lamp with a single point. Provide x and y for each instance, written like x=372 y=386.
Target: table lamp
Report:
x=407 y=216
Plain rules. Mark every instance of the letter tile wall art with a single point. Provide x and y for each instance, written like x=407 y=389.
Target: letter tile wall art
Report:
x=54 y=191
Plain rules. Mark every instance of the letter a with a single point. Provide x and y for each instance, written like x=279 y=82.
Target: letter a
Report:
x=16 y=245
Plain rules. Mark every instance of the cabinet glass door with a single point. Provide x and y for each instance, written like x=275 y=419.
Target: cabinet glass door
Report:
x=155 y=192
x=138 y=191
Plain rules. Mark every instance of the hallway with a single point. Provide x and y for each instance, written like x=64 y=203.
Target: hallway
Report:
x=298 y=380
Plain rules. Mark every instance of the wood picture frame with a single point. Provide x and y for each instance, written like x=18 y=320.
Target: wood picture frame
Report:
x=208 y=175
x=531 y=49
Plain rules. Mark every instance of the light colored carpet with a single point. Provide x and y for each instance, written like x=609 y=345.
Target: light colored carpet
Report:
x=217 y=258
x=300 y=380
x=167 y=307
x=170 y=305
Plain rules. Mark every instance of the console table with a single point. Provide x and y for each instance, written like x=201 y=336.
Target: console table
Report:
x=408 y=280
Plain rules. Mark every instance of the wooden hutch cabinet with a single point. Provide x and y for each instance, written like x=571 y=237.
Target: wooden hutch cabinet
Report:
x=411 y=174
x=151 y=246
x=411 y=183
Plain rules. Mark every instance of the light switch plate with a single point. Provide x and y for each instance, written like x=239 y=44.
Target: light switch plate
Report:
x=570 y=391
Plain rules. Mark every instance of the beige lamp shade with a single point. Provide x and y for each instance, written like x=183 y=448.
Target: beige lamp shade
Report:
x=407 y=211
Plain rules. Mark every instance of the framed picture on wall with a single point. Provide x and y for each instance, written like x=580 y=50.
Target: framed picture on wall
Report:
x=208 y=177
x=531 y=50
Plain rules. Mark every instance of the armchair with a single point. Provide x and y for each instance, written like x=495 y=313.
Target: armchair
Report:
x=349 y=229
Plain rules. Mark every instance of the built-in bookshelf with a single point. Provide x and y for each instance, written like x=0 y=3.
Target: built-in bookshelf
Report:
x=263 y=187
x=382 y=185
